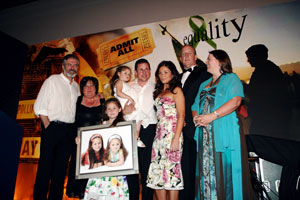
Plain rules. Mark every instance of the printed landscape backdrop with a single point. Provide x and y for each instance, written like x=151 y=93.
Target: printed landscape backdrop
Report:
x=276 y=26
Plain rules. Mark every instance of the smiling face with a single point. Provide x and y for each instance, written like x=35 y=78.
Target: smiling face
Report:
x=70 y=68
x=188 y=57
x=97 y=144
x=125 y=75
x=115 y=145
x=112 y=110
x=89 y=90
x=213 y=65
x=143 y=73
x=165 y=74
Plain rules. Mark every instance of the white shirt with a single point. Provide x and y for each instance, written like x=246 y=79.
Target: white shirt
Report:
x=185 y=75
x=146 y=102
x=57 y=99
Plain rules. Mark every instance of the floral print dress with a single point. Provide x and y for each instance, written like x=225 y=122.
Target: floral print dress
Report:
x=165 y=168
x=107 y=188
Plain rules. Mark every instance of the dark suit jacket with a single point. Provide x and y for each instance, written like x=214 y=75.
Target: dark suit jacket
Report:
x=190 y=89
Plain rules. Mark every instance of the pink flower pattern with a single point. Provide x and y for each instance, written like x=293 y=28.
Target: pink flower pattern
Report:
x=170 y=118
x=174 y=124
x=153 y=154
x=165 y=176
x=159 y=131
x=177 y=171
x=173 y=156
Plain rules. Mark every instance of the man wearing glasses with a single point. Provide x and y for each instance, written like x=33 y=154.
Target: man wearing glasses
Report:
x=55 y=105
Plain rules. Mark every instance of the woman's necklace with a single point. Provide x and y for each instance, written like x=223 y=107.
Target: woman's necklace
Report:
x=212 y=83
x=90 y=103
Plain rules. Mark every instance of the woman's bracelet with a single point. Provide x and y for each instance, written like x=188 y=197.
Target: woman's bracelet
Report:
x=217 y=115
x=194 y=119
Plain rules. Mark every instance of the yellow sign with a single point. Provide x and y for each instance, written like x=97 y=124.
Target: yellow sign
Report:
x=30 y=147
x=125 y=48
x=86 y=70
x=25 y=109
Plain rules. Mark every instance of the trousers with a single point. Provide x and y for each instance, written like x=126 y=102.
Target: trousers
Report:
x=57 y=141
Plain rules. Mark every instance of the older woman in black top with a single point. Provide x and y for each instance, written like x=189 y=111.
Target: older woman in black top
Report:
x=88 y=112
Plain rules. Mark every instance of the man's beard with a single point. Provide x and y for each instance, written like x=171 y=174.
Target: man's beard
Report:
x=68 y=74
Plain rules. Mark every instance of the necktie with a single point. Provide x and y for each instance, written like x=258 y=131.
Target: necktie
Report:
x=187 y=70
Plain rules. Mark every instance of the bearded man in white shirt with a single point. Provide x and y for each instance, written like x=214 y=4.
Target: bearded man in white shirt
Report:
x=55 y=105
x=144 y=89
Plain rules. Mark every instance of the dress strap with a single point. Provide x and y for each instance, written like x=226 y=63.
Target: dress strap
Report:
x=215 y=82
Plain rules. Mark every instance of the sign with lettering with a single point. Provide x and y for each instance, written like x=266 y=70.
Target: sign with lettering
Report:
x=125 y=48
x=30 y=147
x=25 y=109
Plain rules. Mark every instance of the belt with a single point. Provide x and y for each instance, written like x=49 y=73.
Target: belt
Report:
x=61 y=123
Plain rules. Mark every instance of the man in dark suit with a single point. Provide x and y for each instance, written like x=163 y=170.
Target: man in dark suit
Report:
x=194 y=74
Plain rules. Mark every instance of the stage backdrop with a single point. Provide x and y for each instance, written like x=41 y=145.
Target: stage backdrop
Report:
x=276 y=26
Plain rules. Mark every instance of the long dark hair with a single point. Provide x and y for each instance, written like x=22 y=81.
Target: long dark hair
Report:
x=92 y=154
x=174 y=82
x=116 y=77
x=120 y=117
x=115 y=136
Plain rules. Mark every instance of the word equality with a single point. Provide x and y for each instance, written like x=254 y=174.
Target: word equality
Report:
x=217 y=30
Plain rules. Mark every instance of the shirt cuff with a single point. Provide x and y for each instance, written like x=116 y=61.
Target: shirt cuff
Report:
x=41 y=112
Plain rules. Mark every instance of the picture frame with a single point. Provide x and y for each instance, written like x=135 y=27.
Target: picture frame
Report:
x=108 y=161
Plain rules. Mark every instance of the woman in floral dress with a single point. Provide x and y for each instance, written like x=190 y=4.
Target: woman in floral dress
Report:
x=165 y=175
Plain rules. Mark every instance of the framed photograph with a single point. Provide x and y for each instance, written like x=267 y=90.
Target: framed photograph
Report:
x=107 y=151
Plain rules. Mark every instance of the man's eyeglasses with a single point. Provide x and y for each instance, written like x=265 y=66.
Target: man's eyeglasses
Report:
x=71 y=65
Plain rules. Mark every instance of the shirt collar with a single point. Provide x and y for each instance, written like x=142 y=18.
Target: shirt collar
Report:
x=66 y=79
x=136 y=82
x=193 y=67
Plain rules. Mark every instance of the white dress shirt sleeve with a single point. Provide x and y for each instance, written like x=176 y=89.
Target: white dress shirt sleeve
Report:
x=43 y=98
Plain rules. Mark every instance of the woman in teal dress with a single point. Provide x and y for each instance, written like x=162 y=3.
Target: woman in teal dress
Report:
x=219 y=171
